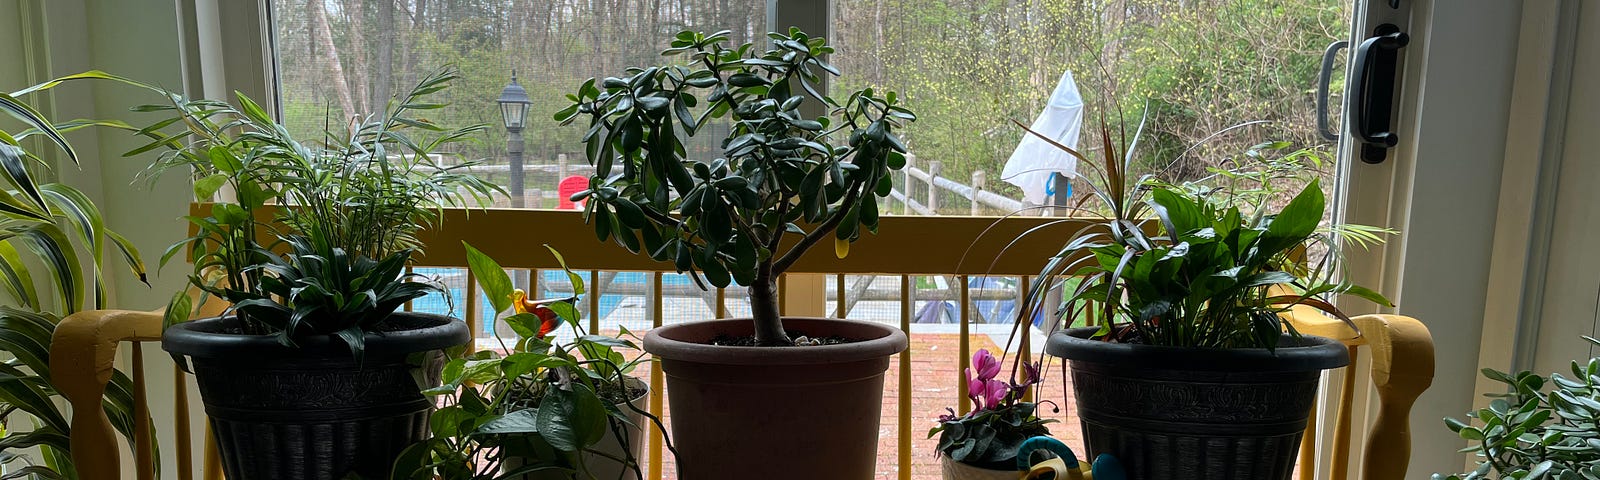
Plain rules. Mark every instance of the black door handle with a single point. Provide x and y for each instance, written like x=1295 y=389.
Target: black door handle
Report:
x=1322 y=90
x=1372 y=92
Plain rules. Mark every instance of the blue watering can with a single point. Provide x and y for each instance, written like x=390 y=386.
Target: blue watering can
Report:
x=1065 y=466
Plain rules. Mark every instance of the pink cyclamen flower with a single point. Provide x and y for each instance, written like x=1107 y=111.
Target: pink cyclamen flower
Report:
x=994 y=393
x=986 y=365
x=1030 y=375
x=974 y=385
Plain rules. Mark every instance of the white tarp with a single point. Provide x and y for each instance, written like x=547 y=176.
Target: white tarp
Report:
x=1034 y=161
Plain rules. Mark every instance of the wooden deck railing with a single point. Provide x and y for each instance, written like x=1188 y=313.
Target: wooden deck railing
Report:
x=906 y=247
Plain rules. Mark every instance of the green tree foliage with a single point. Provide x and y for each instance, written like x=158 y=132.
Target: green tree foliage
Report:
x=1199 y=65
x=1202 y=66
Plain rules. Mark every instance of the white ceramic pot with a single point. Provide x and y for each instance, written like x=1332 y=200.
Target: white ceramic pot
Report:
x=954 y=470
x=601 y=467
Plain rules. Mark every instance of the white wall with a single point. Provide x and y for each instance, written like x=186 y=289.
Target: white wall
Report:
x=1571 y=293
x=1497 y=204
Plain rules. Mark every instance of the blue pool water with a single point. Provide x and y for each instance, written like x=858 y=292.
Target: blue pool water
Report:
x=455 y=281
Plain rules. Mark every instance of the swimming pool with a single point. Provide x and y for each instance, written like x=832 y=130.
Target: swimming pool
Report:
x=455 y=281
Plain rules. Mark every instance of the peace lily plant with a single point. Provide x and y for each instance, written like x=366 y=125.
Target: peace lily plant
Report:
x=1190 y=283
x=348 y=208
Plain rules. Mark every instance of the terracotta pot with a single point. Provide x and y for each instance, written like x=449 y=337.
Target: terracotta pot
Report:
x=599 y=466
x=1172 y=413
x=775 y=413
x=311 y=412
x=954 y=470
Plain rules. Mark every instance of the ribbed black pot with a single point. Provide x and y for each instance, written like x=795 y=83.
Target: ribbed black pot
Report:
x=1196 y=414
x=311 y=412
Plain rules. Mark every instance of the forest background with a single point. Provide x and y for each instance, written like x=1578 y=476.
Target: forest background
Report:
x=1188 y=68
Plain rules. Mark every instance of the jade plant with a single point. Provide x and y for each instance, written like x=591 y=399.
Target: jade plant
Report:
x=1543 y=427
x=786 y=181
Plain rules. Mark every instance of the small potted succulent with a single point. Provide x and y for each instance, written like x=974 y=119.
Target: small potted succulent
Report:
x=542 y=410
x=313 y=341
x=983 y=444
x=787 y=180
x=1196 y=358
x=1534 y=432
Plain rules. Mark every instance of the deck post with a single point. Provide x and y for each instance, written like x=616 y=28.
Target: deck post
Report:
x=979 y=178
x=935 y=168
x=911 y=164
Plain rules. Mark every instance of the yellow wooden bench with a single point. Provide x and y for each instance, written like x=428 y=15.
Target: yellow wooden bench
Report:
x=82 y=354
x=1402 y=368
x=85 y=346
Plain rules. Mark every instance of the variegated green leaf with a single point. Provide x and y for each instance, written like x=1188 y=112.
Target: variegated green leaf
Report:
x=15 y=169
x=60 y=257
x=11 y=105
x=18 y=281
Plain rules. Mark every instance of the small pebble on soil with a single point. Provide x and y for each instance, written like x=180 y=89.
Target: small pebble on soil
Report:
x=799 y=340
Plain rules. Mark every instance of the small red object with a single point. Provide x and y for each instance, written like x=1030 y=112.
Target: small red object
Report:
x=567 y=188
x=548 y=320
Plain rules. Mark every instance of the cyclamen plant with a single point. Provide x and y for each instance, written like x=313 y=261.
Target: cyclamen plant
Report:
x=989 y=436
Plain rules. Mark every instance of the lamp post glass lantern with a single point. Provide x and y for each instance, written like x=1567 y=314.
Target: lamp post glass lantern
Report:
x=514 y=112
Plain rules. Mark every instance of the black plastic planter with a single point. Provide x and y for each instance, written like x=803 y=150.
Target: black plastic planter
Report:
x=1196 y=414
x=311 y=412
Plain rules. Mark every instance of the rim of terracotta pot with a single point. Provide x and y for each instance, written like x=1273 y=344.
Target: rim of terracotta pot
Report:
x=691 y=342
x=1309 y=352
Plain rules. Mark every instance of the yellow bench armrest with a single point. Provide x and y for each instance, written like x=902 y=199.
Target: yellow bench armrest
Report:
x=82 y=355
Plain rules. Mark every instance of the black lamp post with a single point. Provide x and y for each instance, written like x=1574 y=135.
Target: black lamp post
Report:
x=514 y=111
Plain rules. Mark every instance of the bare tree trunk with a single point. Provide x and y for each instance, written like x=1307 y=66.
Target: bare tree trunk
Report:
x=323 y=37
x=386 y=33
x=877 y=41
x=357 y=11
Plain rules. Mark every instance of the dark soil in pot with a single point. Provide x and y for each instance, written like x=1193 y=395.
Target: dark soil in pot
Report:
x=775 y=413
x=311 y=412
x=1196 y=414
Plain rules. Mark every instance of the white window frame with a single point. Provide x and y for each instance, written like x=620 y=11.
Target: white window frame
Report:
x=1454 y=110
